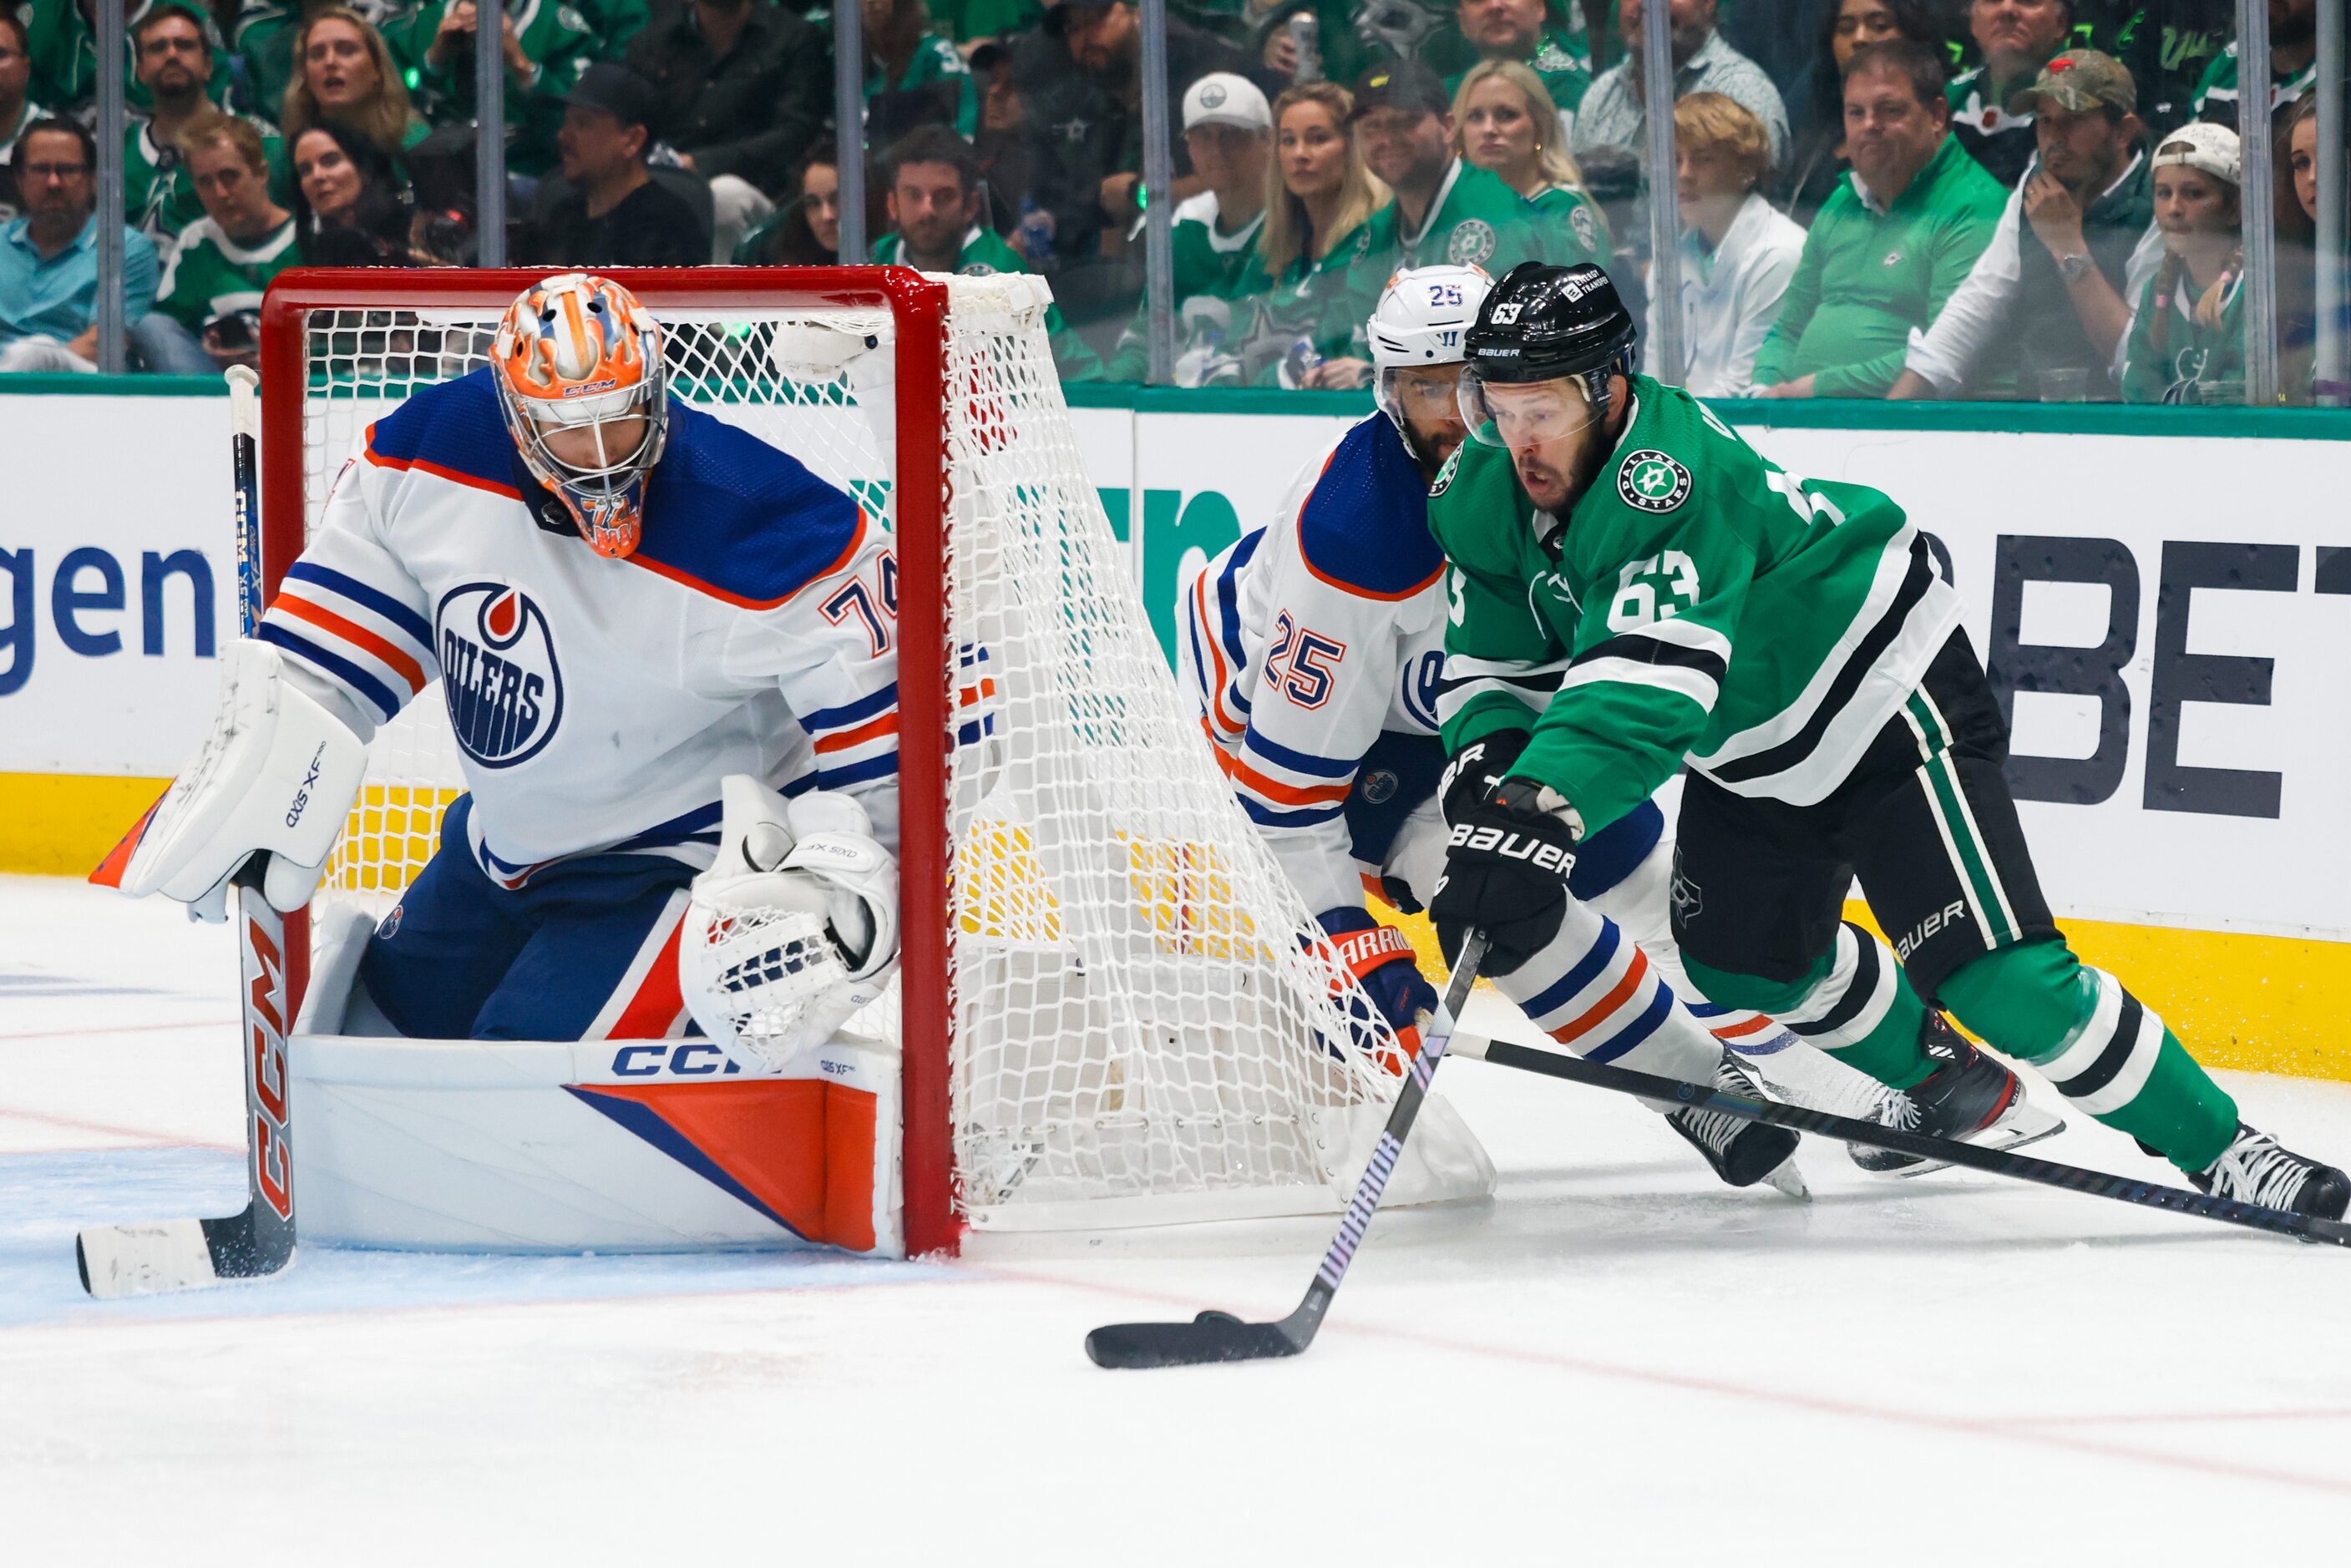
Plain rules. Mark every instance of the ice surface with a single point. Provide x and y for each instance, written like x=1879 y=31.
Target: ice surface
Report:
x=1616 y=1362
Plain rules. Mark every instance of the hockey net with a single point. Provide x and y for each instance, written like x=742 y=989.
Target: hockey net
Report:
x=1113 y=1010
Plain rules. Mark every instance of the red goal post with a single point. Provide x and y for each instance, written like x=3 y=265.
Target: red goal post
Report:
x=919 y=307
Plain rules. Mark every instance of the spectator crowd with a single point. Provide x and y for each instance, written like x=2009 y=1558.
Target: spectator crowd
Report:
x=1998 y=199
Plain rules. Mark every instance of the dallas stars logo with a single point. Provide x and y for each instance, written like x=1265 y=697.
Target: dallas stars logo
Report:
x=1650 y=481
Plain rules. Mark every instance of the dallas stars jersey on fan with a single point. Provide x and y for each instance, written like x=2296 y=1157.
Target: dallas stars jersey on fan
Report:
x=1474 y=220
x=1209 y=261
x=1698 y=603
x=211 y=276
x=984 y=254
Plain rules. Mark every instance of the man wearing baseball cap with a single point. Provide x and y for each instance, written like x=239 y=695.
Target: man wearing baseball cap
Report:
x=608 y=210
x=2187 y=336
x=2043 y=313
x=1228 y=132
x=1447 y=210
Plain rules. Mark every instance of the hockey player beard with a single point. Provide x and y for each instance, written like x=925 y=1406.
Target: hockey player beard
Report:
x=1556 y=473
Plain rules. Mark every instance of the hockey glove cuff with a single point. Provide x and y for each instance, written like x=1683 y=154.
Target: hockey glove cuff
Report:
x=1476 y=770
x=1506 y=869
x=1383 y=962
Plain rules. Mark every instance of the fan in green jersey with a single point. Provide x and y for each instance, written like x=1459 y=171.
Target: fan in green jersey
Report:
x=172 y=49
x=934 y=203
x=1792 y=641
x=209 y=303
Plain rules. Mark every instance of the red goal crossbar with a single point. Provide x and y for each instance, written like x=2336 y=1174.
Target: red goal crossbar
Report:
x=920 y=484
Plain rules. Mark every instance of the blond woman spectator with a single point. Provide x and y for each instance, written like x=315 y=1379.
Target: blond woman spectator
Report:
x=1504 y=122
x=343 y=72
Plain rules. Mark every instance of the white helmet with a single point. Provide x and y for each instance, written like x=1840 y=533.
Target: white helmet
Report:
x=1422 y=316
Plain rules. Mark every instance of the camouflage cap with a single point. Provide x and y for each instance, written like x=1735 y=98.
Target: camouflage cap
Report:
x=2079 y=79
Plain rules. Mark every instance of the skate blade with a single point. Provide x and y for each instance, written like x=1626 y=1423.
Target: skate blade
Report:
x=2023 y=1123
x=1786 y=1177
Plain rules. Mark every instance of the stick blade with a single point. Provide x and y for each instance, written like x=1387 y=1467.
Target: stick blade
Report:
x=1211 y=1337
x=118 y=1260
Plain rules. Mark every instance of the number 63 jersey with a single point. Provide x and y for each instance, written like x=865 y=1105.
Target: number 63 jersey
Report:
x=1696 y=603
x=1315 y=645
x=597 y=702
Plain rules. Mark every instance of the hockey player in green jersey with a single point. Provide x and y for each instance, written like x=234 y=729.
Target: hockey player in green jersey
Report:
x=1633 y=587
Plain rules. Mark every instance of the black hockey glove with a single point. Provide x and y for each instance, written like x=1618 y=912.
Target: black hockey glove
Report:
x=1506 y=867
x=1473 y=772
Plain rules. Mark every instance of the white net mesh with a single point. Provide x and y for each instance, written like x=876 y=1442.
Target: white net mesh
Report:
x=1138 y=1029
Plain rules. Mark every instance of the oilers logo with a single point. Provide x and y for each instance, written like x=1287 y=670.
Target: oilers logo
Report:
x=498 y=673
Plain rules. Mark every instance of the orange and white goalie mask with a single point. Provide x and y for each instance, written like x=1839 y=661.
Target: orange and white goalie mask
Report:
x=582 y=386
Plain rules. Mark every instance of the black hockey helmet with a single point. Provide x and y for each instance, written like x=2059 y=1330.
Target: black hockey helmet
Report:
x=1545 y=322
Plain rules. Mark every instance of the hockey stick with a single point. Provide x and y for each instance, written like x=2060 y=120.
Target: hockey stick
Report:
x=258 y=1240
x=1220 y=1336
x=1999 y=1162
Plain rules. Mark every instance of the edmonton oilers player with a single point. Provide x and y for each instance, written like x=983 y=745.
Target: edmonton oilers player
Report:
x=1316 y=647
x=624 y=601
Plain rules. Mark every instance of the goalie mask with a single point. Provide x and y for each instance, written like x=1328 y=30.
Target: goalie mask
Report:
x=578 y=361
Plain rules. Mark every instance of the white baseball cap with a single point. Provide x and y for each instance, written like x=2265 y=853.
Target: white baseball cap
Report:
x=1221 y=98
x=2199 y=144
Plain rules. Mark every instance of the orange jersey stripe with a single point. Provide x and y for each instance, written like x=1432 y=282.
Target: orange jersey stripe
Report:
x=351 y=631
x=1569 y=1032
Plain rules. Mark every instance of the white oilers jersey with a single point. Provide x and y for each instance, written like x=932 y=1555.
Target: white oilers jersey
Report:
x=597 y=703
x=1316 y=639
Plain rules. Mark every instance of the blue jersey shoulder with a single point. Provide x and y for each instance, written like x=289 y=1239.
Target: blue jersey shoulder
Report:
x=1364 y=526
x=739 y=517
x=454 y=428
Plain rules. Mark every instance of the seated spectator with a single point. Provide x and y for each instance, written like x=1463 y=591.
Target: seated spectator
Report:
x=1528 y=33
x=263 y=36
x=544 y=52
x=1444 y=209
x=2298 y=326
x=932 y=180
x=172 y=58
x=1320 y=198
x=2043 y=313
x=1816 y=158
x=346 y=75
x=61 y=35
x=805 y=231
x=2293 y=65
x=1504 y=123
x=742 y=91
x=2016 y=39
x=609 y=209
x=1612 y=120
x=1891 y=245
x=17 y=108
x=2187 y=338
x=48 y=257
x=918 y=77
x=1738 y=251
x=1228 y=132
x=208 y=310
x=1105 y=37
x=1002 y=142
x=351 y=205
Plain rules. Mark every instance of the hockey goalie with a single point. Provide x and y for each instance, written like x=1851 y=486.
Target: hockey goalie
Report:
x=671 y=674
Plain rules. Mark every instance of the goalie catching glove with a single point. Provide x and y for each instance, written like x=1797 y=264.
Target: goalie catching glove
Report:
x=276 y=779
x=792 y=929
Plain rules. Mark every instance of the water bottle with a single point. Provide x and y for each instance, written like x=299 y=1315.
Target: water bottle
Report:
x=1035 y=232
x=1304 y=35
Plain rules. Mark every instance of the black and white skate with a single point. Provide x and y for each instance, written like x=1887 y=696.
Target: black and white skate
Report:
x=2257 y=1168
x=1971 y=1098
x=1741 y=1152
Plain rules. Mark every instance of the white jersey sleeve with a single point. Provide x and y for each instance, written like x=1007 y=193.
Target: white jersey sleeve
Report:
x=351 y=618
x=1307 y=639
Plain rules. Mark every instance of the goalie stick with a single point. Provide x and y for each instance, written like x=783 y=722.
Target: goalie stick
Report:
x=258 y=1240
x=1998 y=1162
x=1220 y=1336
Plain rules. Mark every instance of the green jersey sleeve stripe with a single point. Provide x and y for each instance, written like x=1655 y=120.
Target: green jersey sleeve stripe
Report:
x=1680 y=632
x=1695 y=684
